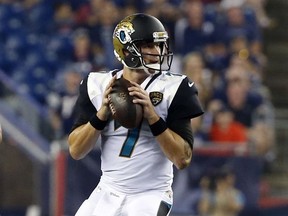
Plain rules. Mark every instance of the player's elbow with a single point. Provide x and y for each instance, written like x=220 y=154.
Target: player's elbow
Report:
x=184 y=160
x=74 y=153
x=73 y=149
x=182 y=164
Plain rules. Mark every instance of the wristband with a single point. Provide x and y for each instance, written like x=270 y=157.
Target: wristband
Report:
x=158 y=127
x=97 y=123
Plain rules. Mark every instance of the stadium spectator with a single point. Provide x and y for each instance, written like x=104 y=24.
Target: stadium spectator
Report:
x=259 y=7
x=249 y=107
x=243 y=60
x=62 y=100
x=225 y=130
x=87 y=14
x=238 y=21
x=193 y=32
x=59 y=43
x=82 y=54
x=251 y=56
x=100 y=35
x=223 y=199
x=236 y=95
x=64 y=19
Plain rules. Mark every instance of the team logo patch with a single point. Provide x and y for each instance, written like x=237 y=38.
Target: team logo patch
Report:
x=156 y=97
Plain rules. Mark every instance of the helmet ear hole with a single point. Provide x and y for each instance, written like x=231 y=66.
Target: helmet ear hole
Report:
x=132 y=61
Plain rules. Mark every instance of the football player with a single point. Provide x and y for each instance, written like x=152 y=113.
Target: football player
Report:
x=136 y=164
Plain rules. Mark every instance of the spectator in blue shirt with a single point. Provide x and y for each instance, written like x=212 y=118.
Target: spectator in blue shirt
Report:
x=194 y=32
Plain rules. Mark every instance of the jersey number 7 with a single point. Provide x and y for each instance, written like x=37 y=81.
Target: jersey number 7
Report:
x=130 y=142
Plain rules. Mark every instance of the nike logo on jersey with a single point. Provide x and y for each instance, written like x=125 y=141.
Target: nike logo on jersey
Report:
x=190 y=84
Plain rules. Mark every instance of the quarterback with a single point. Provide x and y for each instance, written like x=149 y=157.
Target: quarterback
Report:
x=137 y=164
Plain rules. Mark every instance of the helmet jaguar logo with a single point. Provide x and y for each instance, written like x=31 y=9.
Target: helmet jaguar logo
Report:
x=123 y=32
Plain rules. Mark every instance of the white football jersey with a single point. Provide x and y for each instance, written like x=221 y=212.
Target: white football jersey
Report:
x=131 y=160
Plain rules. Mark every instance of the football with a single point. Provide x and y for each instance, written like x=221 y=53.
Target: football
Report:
x=124 y=111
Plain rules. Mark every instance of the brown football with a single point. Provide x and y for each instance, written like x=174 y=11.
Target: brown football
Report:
x=124 y=111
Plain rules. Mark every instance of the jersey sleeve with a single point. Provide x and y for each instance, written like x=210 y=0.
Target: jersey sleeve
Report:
x=184 y=106
x=83 y=109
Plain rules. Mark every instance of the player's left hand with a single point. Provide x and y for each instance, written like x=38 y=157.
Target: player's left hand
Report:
x=142 y=97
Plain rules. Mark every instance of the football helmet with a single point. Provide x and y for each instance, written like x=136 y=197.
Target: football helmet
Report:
x=136 y=30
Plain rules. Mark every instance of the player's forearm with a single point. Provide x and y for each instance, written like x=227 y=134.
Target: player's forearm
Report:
x=175 y=148
x=82 y=140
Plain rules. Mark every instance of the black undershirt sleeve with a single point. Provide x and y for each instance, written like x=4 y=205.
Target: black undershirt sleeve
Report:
x=83 y=109
x=184 y=107
x=183 y=128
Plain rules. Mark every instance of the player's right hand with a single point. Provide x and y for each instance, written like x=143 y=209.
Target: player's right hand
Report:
x=104 y=111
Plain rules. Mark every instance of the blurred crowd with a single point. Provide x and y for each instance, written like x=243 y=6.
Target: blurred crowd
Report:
x=219 y=196
x=47 y=46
